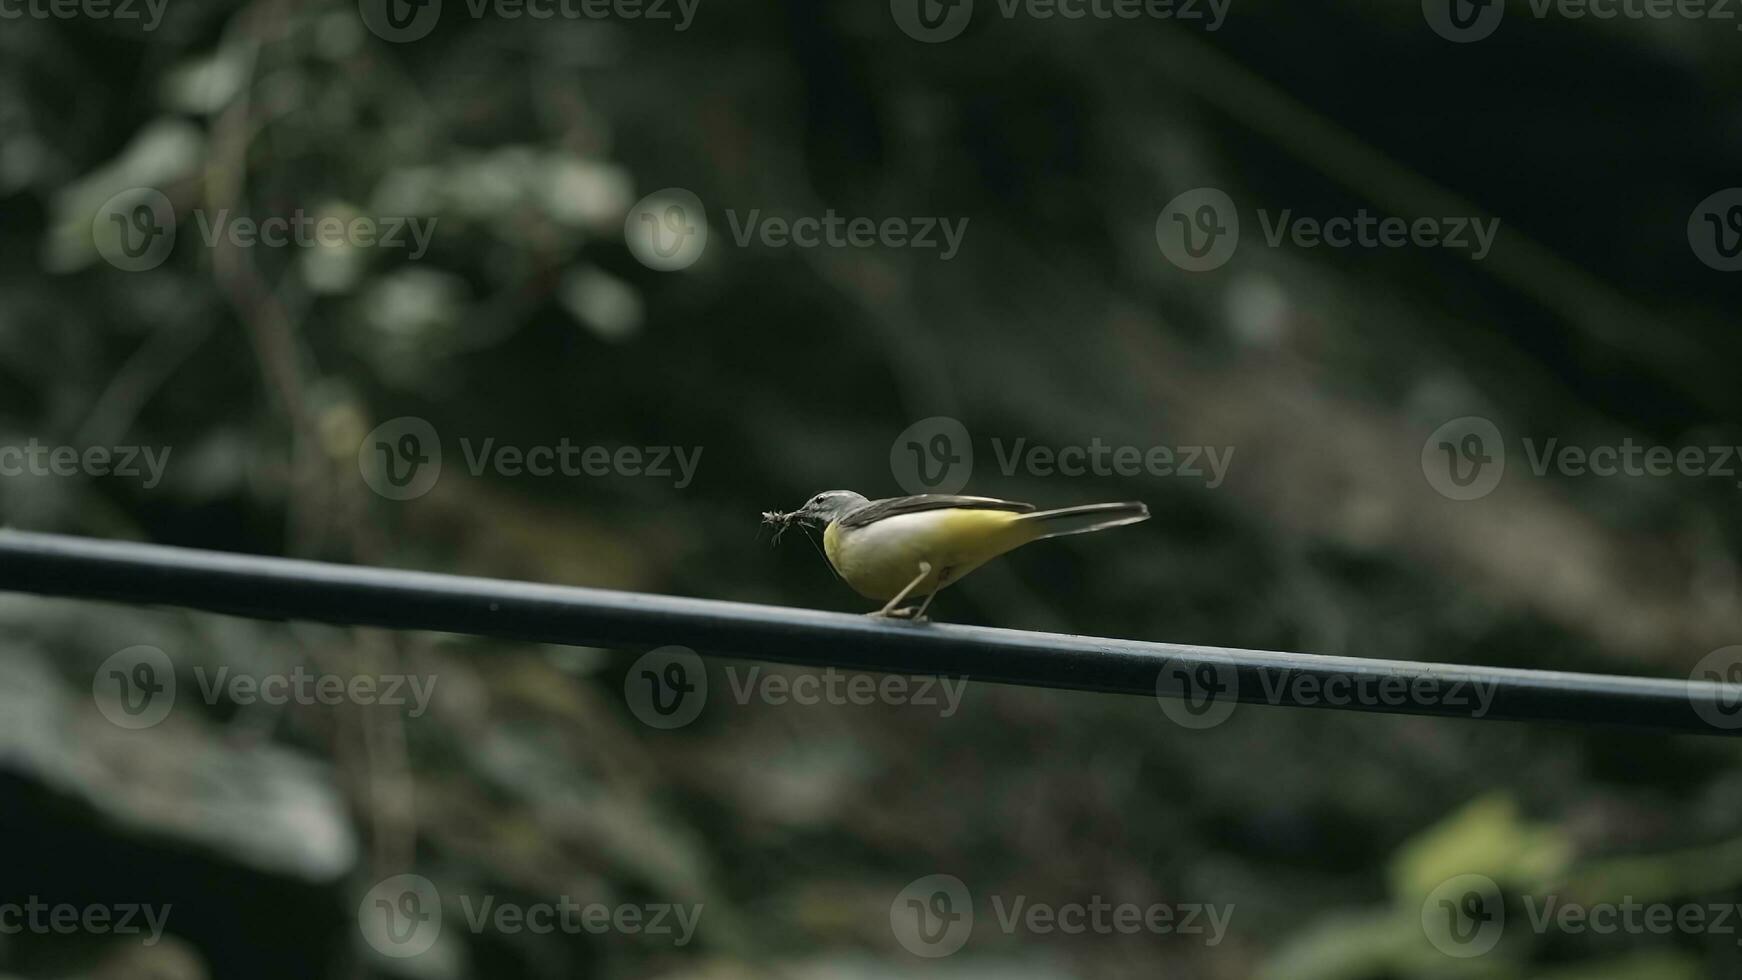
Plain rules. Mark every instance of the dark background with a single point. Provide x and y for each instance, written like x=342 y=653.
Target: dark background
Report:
x=1060 y=322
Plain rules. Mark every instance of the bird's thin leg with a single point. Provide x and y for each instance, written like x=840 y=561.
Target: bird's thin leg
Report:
x=889 y=607
x=936 y=587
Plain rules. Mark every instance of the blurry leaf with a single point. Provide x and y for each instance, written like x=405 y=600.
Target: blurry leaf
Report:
x=204 y=85
x=1485 y=837
x=587 y=194
x=407 y=191
x=333 y=266
x=412 y=311
x=215 y=466
x=23 y=160
x=260 y=804
x=1653 y=965
x=495 y=184
x=171 y=958
x=603 y=303
x=1659 y=877
x=163 y=153
x=1350 y=944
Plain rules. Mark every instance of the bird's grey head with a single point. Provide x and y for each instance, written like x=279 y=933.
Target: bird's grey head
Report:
x=830 y=505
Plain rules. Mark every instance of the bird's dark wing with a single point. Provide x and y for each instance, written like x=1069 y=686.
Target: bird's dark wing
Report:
x=877 y=510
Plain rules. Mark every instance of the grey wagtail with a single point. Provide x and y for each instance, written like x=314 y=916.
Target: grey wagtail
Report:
x=912 y=546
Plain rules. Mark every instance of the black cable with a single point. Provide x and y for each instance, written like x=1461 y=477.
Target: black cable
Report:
x=1200 y=681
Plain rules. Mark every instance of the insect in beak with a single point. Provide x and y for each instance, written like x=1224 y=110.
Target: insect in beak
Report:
x=779 y=521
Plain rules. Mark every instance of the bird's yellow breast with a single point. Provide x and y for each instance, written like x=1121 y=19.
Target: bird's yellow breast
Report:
x=880 y=559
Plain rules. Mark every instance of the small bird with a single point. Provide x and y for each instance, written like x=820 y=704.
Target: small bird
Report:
x=903 y=547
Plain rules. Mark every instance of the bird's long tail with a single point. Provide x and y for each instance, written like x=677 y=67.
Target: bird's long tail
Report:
x=1081 y=520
